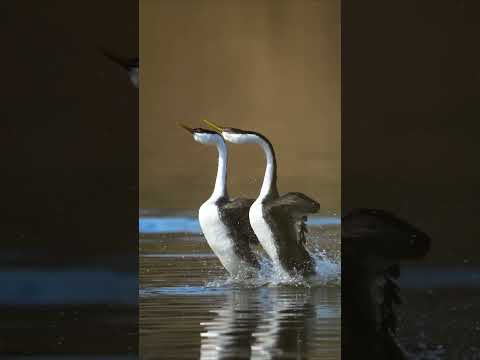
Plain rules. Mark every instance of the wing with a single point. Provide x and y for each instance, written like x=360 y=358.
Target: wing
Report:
x=235 y=214
x=295 y=206
x=391 y=297
x=295 y=203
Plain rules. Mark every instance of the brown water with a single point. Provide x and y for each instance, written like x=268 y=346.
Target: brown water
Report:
x=189 y=308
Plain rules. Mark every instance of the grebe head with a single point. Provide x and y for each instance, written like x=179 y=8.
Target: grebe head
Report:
x=233 y=135
x=385 y=234
x=204 y=136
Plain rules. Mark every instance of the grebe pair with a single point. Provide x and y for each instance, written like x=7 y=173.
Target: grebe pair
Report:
x=276 y=221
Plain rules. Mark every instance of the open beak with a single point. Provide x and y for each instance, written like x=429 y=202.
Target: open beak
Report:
x=215 y=127
x=189 y=129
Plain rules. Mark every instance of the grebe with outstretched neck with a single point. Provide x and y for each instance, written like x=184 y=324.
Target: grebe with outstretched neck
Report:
x=277 y=220
x=225 y=221
x=130 y=65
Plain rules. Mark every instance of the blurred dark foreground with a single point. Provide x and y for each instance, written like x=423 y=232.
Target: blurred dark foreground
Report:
x=68 y=312
x=68 y=255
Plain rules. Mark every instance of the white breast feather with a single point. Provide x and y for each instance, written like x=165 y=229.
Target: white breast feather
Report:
x=263 y=231
x=218 y=238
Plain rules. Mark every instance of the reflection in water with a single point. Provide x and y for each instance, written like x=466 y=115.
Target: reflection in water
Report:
x=269 y=323
x=230 y=334
x=190 y=309
x=285 y=331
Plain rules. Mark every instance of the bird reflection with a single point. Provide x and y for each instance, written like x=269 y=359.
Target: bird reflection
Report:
x=230 y=334
x=268 y=323
x=273 y=338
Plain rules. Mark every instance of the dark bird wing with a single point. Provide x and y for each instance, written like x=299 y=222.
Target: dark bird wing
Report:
x=235 y=216
x=391 y=297
x=294 y=206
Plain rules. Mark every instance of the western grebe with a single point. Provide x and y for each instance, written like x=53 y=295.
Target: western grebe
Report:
x=225 y=221
x=374 y=242
x=278 y=221
x=131 y=65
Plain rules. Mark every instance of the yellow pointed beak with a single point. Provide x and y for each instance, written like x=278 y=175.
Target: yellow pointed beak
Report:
x=189 y=129
x=215 y=127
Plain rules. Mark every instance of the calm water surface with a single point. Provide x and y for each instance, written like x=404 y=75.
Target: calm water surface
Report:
x=190 y=309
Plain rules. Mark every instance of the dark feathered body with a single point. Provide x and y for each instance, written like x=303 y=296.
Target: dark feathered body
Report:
x=225 y=225
x=368 y=314
x=373 y=243
x=279 y=223
x=234 y=214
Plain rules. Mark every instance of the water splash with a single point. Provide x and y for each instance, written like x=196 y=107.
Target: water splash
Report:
x=328 y=273
x=323 y=243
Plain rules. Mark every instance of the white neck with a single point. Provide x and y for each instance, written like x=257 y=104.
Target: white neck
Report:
x=269 y=180
x=220 y=189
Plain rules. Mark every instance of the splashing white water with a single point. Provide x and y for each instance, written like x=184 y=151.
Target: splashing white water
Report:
x=328 y=271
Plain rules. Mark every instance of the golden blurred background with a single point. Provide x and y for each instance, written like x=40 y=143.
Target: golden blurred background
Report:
x=272 y=66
